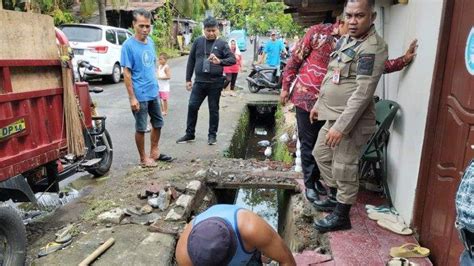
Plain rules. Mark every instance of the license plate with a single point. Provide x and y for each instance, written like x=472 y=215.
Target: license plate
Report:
x=78 y=51
x=13 y=128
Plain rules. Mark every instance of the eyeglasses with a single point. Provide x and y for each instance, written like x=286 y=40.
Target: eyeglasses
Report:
x=144 y=26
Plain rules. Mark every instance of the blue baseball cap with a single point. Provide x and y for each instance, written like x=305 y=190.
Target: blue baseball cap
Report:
x=212 y=242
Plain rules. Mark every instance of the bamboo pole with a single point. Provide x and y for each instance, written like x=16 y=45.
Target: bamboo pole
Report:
x=72 y=117
x=97 y=252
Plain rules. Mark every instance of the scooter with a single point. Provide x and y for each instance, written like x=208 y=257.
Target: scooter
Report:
x=263 y=76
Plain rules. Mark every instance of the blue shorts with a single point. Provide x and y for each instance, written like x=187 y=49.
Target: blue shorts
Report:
x=151 y=108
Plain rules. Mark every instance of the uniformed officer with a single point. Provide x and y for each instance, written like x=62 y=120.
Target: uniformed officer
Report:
x=346 y=103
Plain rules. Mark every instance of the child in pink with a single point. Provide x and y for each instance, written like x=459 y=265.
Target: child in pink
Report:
x=164 y=76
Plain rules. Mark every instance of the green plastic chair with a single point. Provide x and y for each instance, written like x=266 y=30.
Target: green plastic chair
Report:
x=374 y=154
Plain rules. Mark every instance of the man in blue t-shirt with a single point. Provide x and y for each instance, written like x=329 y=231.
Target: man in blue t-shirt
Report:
x=273 y=50
x=138 y=59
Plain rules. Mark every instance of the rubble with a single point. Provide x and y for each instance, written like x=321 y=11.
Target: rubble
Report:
x=113 y=216
x=184 y=201
x=174 y=215
x=200 y=174
x=145 y=219
x=146 y=209
x=193 y=186
x=163 y=200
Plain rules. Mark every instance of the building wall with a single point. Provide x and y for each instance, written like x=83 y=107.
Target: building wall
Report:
x=411 y=89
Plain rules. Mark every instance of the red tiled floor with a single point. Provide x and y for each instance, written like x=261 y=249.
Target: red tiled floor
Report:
x=366 y=243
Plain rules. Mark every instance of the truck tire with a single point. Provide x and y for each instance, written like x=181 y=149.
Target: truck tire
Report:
x=12 y=237
x=107 y=156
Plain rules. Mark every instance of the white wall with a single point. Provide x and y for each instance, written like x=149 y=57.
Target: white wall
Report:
x=411 y=89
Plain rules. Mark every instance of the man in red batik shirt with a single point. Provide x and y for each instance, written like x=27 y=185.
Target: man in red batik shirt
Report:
x=304 y=72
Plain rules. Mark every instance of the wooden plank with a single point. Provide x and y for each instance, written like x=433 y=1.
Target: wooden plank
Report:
x=21 y=40
x=35 y=78
x=29 y=62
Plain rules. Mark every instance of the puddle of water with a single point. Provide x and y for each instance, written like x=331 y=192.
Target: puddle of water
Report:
x=261 y=201
x=261 y=129
x=270 y=203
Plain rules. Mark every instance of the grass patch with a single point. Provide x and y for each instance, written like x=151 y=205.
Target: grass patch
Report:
x=280 y=152
x=240 y=137
x=97 y=207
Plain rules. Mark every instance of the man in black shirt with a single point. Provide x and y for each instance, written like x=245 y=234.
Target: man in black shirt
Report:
x=207 y=58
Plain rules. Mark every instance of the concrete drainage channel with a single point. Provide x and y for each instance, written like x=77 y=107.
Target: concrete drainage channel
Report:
x=270 y=189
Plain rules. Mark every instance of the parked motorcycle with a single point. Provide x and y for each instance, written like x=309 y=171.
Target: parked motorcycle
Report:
x=263 y=76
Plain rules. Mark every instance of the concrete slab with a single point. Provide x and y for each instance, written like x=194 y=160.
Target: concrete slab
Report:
x=134 y=245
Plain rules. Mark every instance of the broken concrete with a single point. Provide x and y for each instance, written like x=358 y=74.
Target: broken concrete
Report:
x=113 y=216
x=133 y=245
x=193 y=186
x=163 y=200
x=184 y=201
x=145 y=219
x=174 y=215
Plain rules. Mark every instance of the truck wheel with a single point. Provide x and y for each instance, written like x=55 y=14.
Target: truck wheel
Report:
x=12 y=237
x=104 y=165
x=116 y=74
x=253 y=88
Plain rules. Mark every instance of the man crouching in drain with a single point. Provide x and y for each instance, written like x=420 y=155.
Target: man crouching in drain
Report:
x=230 y=235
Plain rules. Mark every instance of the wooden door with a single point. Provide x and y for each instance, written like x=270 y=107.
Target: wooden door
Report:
x=452 y=137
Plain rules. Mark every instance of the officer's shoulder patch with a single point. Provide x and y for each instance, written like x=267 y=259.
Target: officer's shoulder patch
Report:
x=365 y=65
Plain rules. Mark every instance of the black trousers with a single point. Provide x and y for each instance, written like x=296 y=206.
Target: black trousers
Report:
x=307 y=134
x=230 y=78
x=200 y=91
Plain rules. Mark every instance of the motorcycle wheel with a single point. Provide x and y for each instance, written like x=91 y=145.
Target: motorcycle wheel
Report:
x=104 y=165
x=253 y=88
x=12 y=237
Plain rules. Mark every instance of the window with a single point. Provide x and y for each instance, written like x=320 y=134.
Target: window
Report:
x=77 y=33
x=110 y=36
x=122 y=37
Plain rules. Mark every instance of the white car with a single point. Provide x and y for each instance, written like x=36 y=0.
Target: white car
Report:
x=99 y=45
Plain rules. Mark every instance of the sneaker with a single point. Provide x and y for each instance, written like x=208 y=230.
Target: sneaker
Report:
x=185 y=139
x=212 y=140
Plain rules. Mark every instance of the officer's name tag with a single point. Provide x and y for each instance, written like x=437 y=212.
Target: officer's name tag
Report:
x=336 y=76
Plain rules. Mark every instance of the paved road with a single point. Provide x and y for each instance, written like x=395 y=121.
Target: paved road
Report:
x=113 y=103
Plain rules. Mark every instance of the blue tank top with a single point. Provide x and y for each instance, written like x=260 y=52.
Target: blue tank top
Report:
x=229 y=214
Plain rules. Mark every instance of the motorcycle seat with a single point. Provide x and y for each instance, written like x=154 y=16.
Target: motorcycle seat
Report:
x=265 y=67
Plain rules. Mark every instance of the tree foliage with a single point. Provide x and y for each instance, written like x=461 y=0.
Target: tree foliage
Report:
x=257 y=16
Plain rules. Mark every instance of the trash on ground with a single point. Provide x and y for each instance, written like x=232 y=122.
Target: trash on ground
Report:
x=263 y=143
x=260 y=131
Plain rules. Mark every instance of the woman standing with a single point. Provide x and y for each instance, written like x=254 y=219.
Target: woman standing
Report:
x=231 y=72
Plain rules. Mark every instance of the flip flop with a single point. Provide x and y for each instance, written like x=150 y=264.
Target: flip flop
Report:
x=409 y=250
x=400 y=262
x=164 y=158
x=398 y=227
x=371 y=208
x=63 y=235
x=52 y=247
x=390 y=216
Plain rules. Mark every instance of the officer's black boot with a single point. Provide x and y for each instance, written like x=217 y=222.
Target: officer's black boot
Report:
x=320 y=188
x=337 y=220
x=329 y=203
x=311 y=194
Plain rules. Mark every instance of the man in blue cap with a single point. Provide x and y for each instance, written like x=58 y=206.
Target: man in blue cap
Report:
x=229 y=235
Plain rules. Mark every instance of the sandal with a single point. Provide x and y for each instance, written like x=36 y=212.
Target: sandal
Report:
x=371 y=208
x=409 y=250
x=400 y=262
x=52 y=247
x=391 y=216
x=398 y=227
